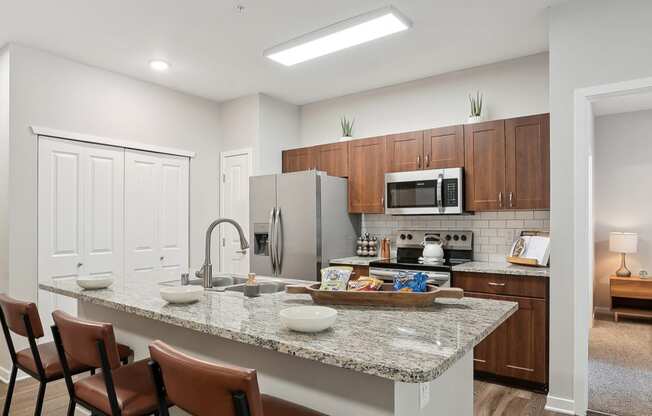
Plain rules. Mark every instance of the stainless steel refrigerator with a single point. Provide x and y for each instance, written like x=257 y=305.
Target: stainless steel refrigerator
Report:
x=298 y=223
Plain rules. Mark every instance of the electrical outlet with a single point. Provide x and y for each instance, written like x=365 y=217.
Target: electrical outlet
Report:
x=424 y=395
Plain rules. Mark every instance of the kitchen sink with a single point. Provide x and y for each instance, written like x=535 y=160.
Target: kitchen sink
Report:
x=265 y=287
x=219 y=281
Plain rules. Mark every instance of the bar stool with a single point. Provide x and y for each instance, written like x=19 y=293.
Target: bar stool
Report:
x=119 y=389
x=40 y=361
x=208 y=389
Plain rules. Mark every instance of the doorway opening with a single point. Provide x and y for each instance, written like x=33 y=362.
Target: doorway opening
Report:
x=613 y=158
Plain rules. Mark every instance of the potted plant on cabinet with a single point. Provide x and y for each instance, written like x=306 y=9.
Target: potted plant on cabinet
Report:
x=347 y=129
x=476 y=108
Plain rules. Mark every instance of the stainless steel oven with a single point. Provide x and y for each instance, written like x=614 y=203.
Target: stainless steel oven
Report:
x=421 y=192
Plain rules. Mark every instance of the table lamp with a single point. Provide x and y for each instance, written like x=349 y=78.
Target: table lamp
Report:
x=623 y=243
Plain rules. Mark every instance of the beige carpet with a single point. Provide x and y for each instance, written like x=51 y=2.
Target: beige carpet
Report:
x=620 y=368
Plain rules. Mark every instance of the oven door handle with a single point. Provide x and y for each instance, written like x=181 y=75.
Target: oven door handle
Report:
x=440 y=203
x=382 y=273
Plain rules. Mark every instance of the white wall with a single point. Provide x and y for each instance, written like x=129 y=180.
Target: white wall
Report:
x=622 y=192
x=4 y=170
x=279 y=129
x=263 y=123
x=239 y=122
x=511 y=88
x=55 y=92
x=592 y=42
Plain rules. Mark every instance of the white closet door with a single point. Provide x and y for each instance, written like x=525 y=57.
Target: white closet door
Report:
x=173 y=214
x=80 y=215
x=156 y=208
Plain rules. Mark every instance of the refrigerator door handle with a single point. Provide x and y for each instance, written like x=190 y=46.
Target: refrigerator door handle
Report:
x=270 y=239
x=278 y=235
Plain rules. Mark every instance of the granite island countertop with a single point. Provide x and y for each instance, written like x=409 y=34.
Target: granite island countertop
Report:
x=354 y=260
x=502 y=268
x=401 y=344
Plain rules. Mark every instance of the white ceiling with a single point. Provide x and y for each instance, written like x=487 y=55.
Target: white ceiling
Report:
x=217 y=52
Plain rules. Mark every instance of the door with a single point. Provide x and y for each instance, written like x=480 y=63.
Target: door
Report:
x=485 y=165
x=524 y=352
x=486 y=354
x=367 y=166
x=234 y=198
x=444 y=148
x=262 y=208
x=528 y=162
x=80 y=216
x=298 y=160
x=297 y=211
x=333 y=159
x=405 y=152
x=156 y=215
x=173 y=214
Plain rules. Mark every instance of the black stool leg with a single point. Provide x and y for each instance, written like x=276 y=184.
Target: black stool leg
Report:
x=39 y=399
x=71 y=408
x=10 y=390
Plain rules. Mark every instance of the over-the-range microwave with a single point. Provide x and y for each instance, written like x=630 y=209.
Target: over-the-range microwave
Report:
x=424 y=192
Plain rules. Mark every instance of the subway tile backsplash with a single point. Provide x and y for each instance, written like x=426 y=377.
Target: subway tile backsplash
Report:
x=493 y=232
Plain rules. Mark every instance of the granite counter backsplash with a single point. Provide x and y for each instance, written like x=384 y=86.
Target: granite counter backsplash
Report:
x=493 y=232
x=401 y=344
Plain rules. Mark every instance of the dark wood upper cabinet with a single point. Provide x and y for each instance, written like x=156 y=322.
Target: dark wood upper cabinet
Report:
x=367 y=167
x=405 y=152
x=333 y=159
x=444 y=147
x=297 y=160
x=485 y=180
x=528 y=162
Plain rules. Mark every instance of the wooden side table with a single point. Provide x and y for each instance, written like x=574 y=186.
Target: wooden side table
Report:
x=631 y=296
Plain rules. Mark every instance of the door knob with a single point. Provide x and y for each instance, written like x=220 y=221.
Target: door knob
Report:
x=162 y=257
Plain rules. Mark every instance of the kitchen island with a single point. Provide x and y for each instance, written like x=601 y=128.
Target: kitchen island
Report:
x=374 y=361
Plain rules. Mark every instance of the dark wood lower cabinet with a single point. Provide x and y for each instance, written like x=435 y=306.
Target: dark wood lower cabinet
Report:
x=517 y=351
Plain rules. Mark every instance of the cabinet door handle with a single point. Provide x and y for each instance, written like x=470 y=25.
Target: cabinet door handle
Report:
x=511 y=195
x=496 y=284
x=419 y=161
x=80 y=264
x=427 y=161
x=500 y=199
x=162 y=258
x=531 y=370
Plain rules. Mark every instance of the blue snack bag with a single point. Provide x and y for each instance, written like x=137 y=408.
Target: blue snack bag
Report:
x=417 y=282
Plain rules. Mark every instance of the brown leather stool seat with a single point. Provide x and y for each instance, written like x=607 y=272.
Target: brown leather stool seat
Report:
x=40 y=361
x=51 y=363
x=120 y=389
x=209 y=389
x=134 y=390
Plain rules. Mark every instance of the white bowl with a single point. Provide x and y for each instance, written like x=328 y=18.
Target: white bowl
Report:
x=308 y=318
x=182 y=294
x=88 y=282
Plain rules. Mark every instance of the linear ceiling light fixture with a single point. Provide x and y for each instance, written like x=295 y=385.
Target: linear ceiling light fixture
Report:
x=354 y=31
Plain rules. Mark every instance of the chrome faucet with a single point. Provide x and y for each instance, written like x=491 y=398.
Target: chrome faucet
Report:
x=206 y=271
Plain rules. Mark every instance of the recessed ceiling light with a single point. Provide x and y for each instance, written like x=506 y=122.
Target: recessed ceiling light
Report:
x=354 y=31
x=159 y=65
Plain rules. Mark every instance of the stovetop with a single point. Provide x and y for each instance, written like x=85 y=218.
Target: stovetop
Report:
x=412 y=263
x=457 y=245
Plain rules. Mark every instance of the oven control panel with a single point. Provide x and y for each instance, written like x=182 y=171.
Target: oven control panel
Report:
x=453 y=239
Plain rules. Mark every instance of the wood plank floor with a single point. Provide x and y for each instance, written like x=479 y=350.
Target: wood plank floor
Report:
x=490 y=400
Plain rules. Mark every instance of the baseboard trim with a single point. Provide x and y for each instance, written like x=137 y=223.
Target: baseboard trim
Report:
x=5 y=374
x=560 y=405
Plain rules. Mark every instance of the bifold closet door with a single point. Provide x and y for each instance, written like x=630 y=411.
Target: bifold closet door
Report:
x=80 y=215
x=156 y=211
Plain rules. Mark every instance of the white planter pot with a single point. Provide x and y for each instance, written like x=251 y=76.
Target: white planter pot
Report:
x=345 y=138
x=475 y=119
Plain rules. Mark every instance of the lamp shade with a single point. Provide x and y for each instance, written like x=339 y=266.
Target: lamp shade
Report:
x=623 y=242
